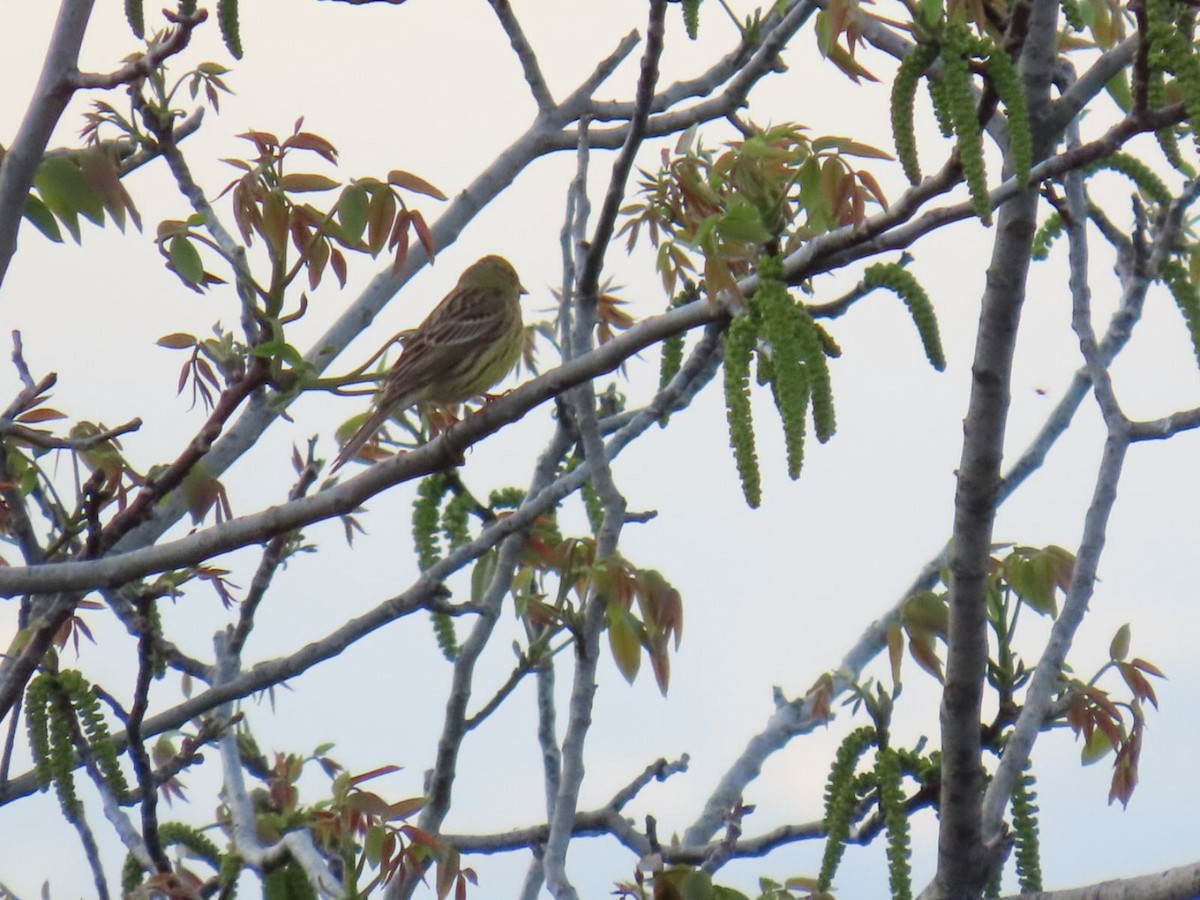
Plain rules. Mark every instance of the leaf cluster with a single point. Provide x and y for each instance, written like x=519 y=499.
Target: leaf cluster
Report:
x=775 y=188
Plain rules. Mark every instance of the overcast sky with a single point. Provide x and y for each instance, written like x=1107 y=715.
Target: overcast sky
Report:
x=772 y=597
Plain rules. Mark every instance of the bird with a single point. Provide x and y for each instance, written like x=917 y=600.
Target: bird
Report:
x=463 y=348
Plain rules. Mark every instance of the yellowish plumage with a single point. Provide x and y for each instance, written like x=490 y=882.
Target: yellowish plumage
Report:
x=470 y=341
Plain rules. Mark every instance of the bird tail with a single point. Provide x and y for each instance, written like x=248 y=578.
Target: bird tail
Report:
x=359 y=439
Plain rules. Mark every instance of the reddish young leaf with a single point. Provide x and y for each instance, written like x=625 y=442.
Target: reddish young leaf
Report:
x=414 y=183
x=318 y=257
x=424 y=235
x=1146 y=667
x=1142 y=689
x=338 y=262
x=42 y=414
x=417 y=836
x=263 y=140
x=447 y=873
x=660 y=662
x=306 y=140
x=922 y=648
x=177 y=341
x=275 y=221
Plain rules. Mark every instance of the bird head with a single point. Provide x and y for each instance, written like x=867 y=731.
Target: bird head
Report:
x=492 y=273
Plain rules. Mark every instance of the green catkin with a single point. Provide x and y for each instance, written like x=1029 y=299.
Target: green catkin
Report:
x=691 y=17
x=829 y=346
x=904 y=94
x=62 y=758
x=904 y=285
x=672 y=348
x=794 y=445
x=227 y=18
x=1168 y=142
x=991 y=890
x=672 y=360
x=135 y=15
x=1025 y=831
x=1047 y=234
x=1137 y=172
x=956 y=75
x=921 y=768
x=739 y=345
x=178 y=834
x=812 y=350
x=172 y=834
x=455 y=518
x=895 y=816
x=227 y=878
x=37 y=725
x=506 y=498
x=288 y=882
x=1175 y=276
x=1010 y=90
x=426 y=538
x=158 y=660
x=840 y=795
x=941 y=107
x=132 y=875
x=781 y=325
x=592 y=506
x=95 y=730
x=1073 y=14
x=53 y=703
x=445 y=635
x=425 y=520
x=1170 y=26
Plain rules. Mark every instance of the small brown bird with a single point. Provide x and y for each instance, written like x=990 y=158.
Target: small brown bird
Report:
x=470 y=341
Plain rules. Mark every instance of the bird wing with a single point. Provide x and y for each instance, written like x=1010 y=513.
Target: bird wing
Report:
x=457 y=325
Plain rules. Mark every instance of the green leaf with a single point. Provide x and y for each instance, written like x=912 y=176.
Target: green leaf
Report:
x=39 y=214
x=278 y=350
x=373 y=845
x=1029 y=579
x=697 y=886
x=352 y=213
x=742 y=222
x=624 y=641
x=60 y=182
x=927 y=611
x=1097 y=747
x=1118 y=89
x=1119 y=648
x=177 y=341
x=481 y=576
x=66 y=191
x=825 y=33
x=849 y=147
x=299 y=182
x=185 y=259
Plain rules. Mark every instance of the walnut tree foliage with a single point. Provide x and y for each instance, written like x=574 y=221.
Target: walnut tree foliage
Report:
x=756 y=233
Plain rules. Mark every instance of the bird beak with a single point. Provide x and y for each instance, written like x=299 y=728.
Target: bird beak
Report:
x=521 y=288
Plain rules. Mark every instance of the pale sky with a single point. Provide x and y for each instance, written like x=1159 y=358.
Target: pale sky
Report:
x=772 y=597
